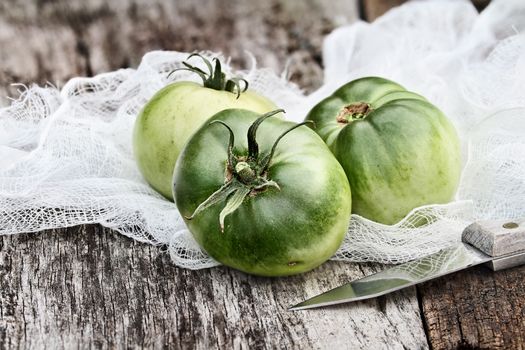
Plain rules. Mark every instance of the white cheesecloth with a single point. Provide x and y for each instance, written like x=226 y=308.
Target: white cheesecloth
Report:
x=66 y=155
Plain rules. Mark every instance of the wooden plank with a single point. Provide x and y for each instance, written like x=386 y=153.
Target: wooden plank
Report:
x=476 y=309
x=52 y=41
x=371 y=9
x=88 y=286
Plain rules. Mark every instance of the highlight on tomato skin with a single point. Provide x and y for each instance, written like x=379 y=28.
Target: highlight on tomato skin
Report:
x=398 y=150
x=261 y=194
x=176 y=111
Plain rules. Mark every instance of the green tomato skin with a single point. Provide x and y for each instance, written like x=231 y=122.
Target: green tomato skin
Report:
x=275 y=232
x=169 y=119
x=402 y=155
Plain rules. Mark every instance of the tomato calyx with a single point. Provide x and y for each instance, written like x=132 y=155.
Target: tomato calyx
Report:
x=246 y=174
x=353 y=111
x=215 y=77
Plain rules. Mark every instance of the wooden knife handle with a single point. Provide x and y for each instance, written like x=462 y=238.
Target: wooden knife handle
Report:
x=502 y=239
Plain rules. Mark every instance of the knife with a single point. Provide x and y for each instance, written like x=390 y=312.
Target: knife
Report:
x=498 y=244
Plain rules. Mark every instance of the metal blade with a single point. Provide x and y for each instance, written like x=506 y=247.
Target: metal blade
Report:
x=401 y=276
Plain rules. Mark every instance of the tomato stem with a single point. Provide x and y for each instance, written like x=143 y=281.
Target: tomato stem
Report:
x=231 y=142
x=215 y=77
x=353 y=111
x=253 y=147
x=266 y=160
x=218 y=196
x=245 y=172
x=248 y=174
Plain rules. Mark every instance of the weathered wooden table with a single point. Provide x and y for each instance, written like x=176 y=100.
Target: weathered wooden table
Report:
x=87 y=287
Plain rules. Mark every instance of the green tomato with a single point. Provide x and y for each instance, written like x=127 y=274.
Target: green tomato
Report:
x=263 y=204
x=398 y=150
x=172 y=115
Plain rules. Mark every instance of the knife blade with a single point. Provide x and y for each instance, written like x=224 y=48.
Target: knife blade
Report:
x=499 y=244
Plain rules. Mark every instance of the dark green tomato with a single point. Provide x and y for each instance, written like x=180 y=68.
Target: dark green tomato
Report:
x=288 y=217
x=398 y=150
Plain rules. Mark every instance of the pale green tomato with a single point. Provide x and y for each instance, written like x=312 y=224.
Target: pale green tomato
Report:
x=173 y=114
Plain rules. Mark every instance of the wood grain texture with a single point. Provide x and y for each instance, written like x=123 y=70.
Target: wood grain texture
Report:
x=54 y=40
x=371 y=9
x=475 y=309
x=89 y=287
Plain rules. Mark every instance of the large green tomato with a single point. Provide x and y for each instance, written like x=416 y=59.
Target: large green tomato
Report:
x=173 y=114
x=264 y=213
x=397 y=149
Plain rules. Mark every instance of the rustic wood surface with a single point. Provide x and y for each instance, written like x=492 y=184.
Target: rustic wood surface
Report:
x=88 y=287
x=475 y=309
x=371 y=9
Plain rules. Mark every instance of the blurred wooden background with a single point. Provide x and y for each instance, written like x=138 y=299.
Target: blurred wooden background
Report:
x=53 y=40
x=87 y=287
